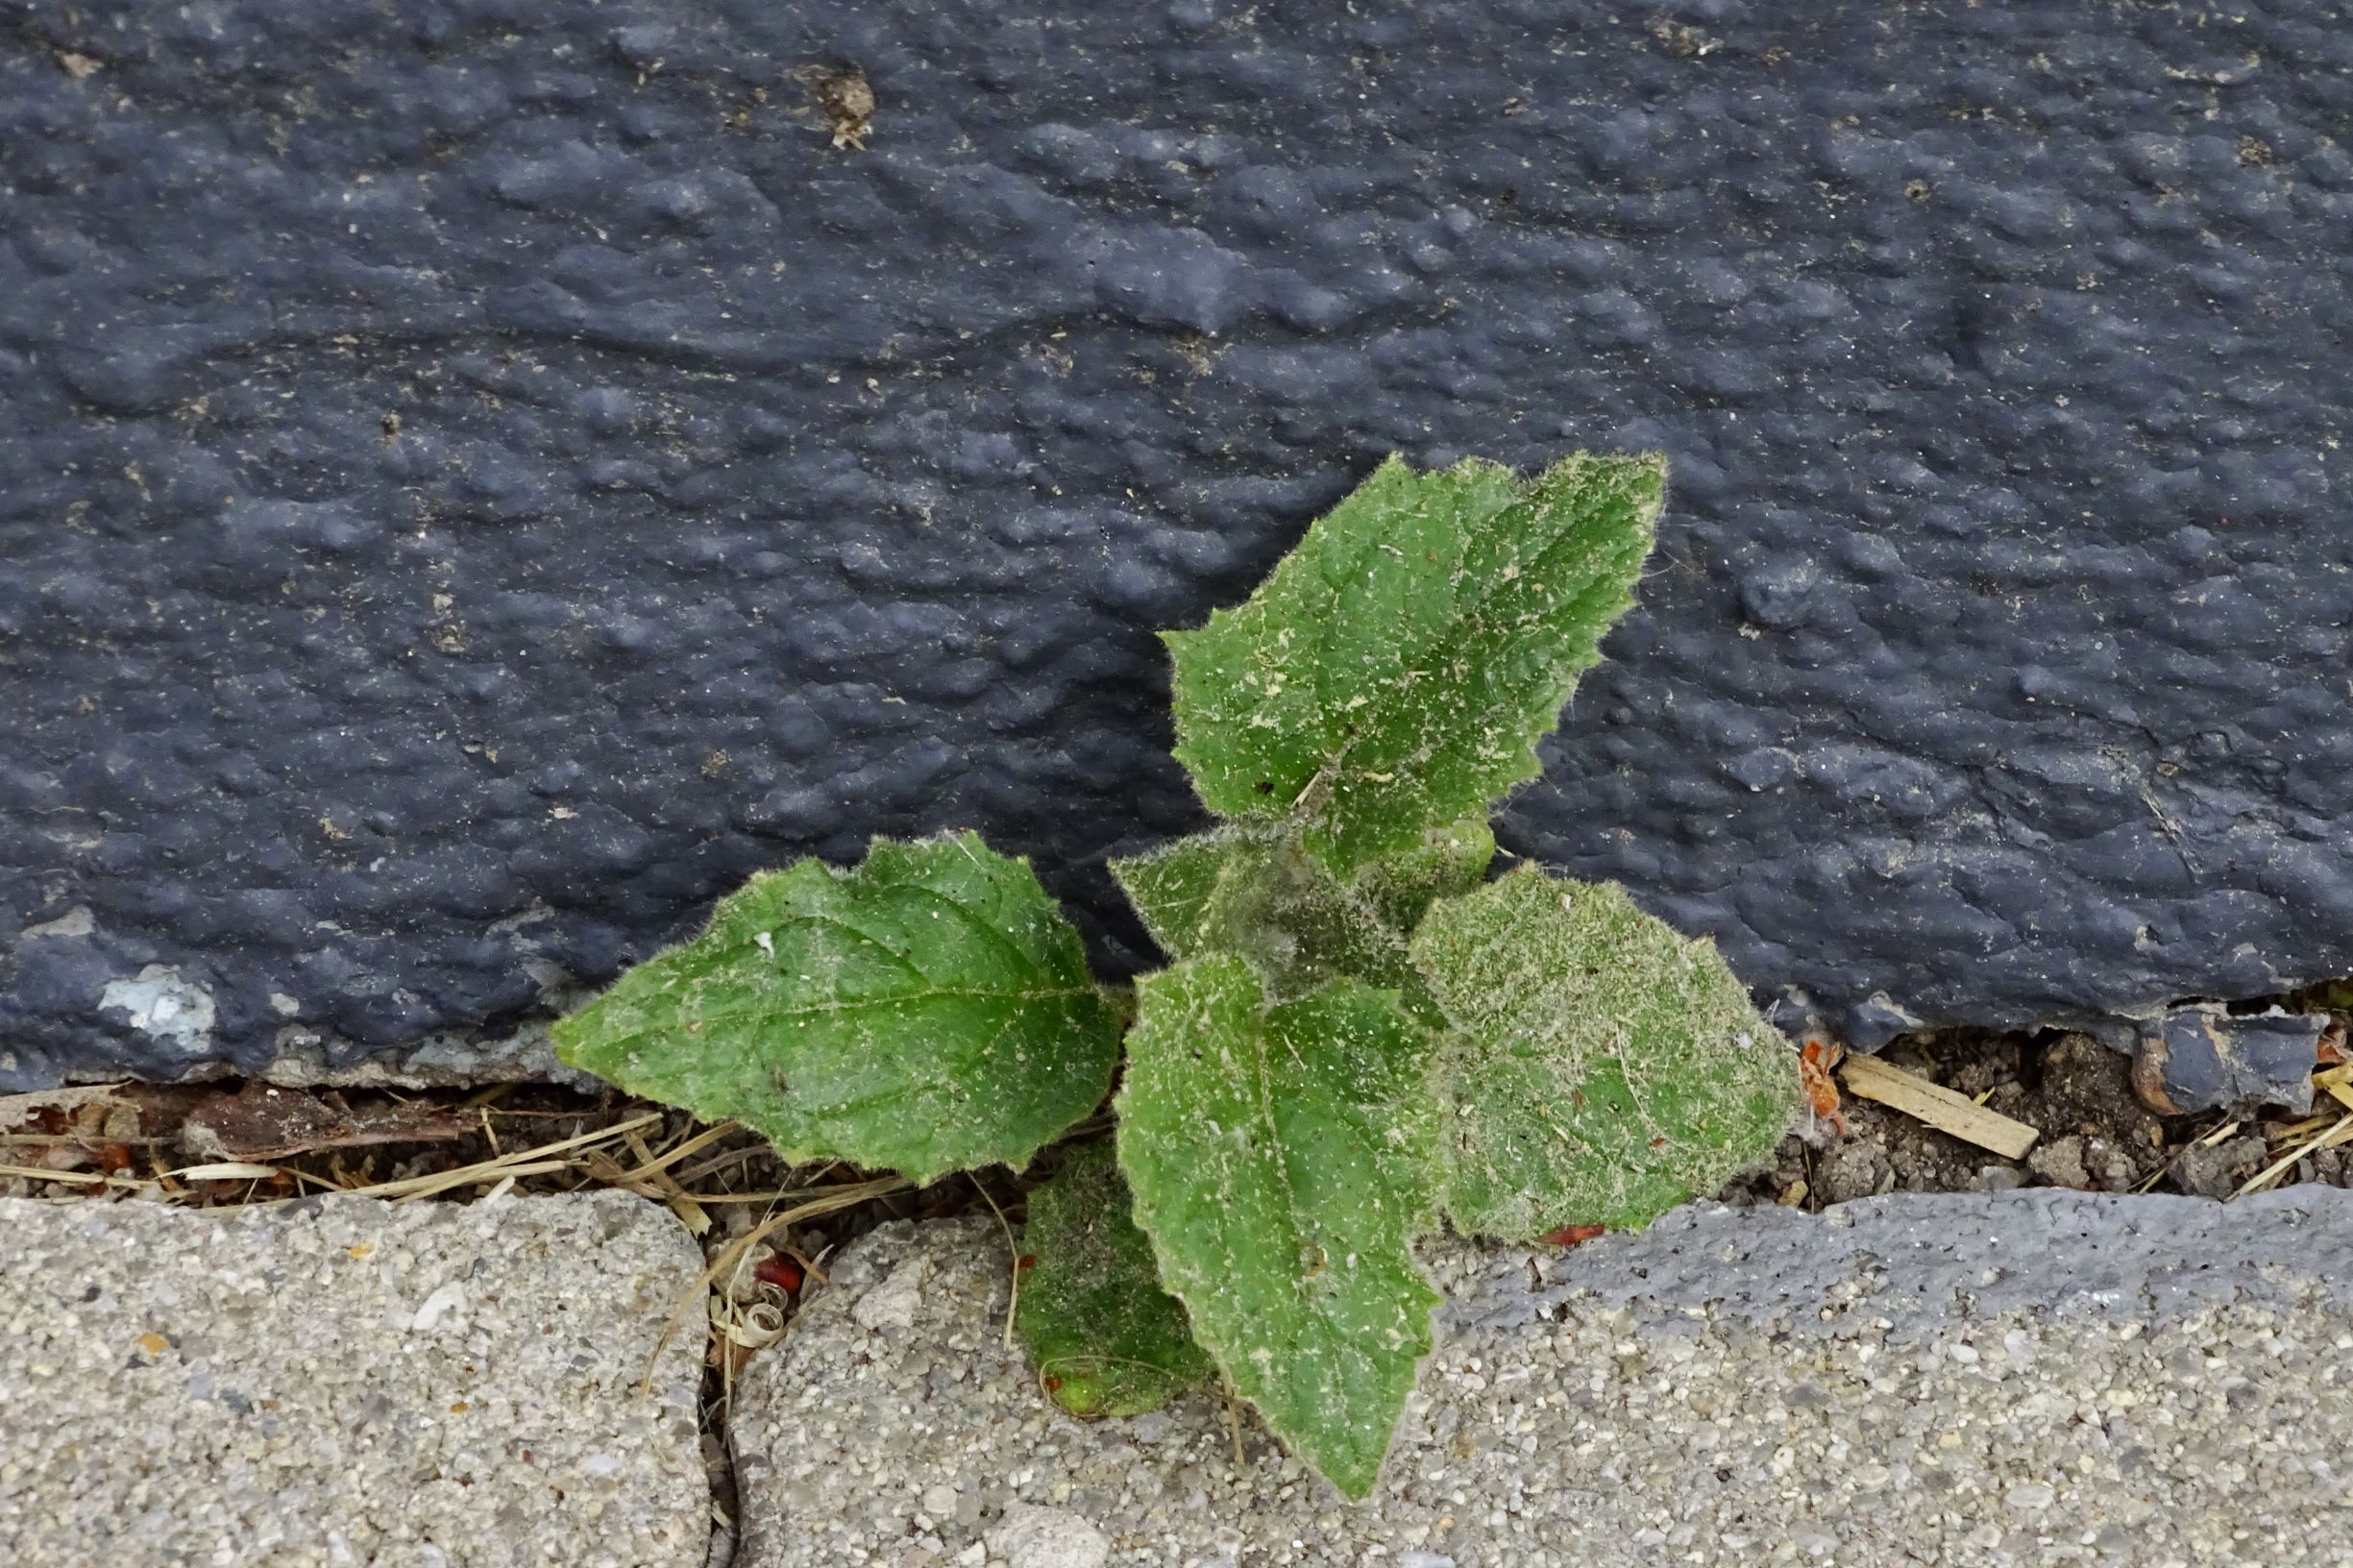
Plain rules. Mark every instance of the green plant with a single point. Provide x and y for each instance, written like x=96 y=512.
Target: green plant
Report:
x=1358 y=1032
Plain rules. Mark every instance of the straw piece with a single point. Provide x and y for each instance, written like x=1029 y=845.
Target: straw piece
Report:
x=678 y=1199
x=2218 y=1136
x=226 y=1170
x=511 y=1164
x=721 y=1160
x=2340 y=1133
x=78 y=1177
x=1012 y=1252
x=700 y=1141
x=603 y=1168
x=1873 y=1079
x=487 y=1174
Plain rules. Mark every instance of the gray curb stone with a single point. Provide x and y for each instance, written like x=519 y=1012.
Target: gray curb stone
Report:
x=2024 y=1377
x=344 y=1383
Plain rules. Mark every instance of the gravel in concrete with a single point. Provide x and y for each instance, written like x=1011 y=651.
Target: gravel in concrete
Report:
x=348 y=1382
x=2020 y=1378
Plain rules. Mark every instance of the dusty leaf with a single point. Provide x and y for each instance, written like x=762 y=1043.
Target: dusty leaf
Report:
x=1104 y=1337
x=1395 y=672
x=1281 y=909
x=1282 y=1160
x=1171 y=887
x=1262 y=897
x=1601 y=1067
x=1399 y=886
x=929 y=1011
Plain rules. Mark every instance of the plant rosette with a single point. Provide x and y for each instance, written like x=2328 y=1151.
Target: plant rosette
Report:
x=1362 y=1034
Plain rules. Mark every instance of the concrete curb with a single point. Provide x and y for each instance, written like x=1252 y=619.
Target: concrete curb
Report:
x=1982 y=1379
x=342 y=1382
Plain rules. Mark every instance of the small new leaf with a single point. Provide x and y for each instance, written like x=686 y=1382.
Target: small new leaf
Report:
x=1601 y=1068
x=1260 y=896
x=1171 y=887
x=1282 y=1161
x=1396 y=671
x=1280 y=908
x=1452 y=859
x=1104 y=1337
x=929 y=1011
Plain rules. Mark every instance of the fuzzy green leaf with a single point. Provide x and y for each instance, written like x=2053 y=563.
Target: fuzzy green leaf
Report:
x=1601 y=1068
x=1171 y=887
x=1277 y=907
x=1452 y=859
x=1104 y=1337
x=929 y=1011
x=1260 y=896
x=1283 y=1162
x=1395 y=672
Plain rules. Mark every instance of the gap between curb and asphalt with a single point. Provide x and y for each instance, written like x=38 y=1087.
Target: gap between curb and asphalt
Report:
x=2019 y=1378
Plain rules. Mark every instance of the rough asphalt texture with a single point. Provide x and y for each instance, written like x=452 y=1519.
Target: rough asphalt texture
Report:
x=343 y=1381
x=479 y=480
x=1973 y=1381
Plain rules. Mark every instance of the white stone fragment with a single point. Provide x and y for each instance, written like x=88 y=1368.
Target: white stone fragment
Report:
x=895 y=1303
x=1030 y=1536
x=449 y=1299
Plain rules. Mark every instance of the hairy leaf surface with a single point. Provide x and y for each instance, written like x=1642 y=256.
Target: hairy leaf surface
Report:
x=1394 y=673
x=1400 y=887
x=929 y=1011
x=1104 y=1337
x=1260 y=896
x=1282 y=910
x=1283 y=1162
x=1171 y=887
x=1601 y=1068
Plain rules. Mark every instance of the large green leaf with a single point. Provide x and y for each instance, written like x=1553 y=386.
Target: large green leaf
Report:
x=1283 y=1161
x=1104 y=1337
x=1601 y=1068
x=927 y=1012
x=1394 y=673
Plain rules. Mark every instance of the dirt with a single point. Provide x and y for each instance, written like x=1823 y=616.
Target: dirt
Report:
x=2096 y=1135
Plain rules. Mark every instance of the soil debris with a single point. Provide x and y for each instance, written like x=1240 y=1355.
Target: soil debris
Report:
x=2216 y=1171
x=263 y=1121
x=2098 y=1134
x=845 y=102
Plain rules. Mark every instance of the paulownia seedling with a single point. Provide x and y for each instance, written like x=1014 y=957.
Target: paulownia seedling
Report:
x=1358 y=1032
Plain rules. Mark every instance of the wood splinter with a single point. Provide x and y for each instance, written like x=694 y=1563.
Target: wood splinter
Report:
x=1939 y=1106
